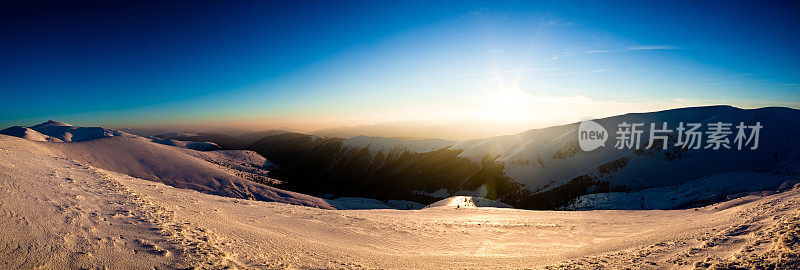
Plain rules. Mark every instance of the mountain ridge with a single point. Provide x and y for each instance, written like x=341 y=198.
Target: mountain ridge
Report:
x=535 y=169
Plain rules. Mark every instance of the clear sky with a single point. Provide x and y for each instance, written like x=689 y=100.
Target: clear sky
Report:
x=319 y=64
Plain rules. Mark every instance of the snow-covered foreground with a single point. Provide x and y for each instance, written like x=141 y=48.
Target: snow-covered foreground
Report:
x=56 y=212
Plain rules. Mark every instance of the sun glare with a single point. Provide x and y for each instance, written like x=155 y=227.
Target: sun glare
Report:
x=508 y=104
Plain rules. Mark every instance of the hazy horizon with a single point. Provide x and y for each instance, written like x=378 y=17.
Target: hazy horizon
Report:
x=397 y=129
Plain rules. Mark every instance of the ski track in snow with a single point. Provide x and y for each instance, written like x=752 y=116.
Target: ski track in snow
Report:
x=59 y=213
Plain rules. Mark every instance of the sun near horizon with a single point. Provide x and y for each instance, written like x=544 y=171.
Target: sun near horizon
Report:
x=475 y=67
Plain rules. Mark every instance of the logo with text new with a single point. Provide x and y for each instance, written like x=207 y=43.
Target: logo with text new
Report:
x=591 y=135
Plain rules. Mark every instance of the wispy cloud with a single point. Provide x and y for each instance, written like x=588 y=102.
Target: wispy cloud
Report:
x=561 y=23
x=749 y=79
x=715 y=83
x=499 y=72
x=562 y=73
x=600 y=51
x=597 y=70
x=638 y=48
x=651 y=47
x=791 y=85
x=563 y=53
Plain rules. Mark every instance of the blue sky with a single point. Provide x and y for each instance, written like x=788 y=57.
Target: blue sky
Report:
x=309 y=65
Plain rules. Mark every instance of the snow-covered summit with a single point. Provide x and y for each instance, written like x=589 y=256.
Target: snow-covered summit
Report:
x=56 y=131
x=51 y=123
x=28 y=134
x=61 y=132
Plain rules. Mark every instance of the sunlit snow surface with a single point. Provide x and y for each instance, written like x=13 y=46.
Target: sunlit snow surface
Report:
x=61 y=213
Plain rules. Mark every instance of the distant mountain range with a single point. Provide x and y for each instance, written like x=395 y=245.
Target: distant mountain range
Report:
x=536 y=169
x=420 y=130
x=544 y=168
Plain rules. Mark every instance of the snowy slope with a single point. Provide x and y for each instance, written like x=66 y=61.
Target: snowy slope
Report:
x=243 y=163
x=173 y=166
x=57 y=213
x=712 y=188
x=238 y=174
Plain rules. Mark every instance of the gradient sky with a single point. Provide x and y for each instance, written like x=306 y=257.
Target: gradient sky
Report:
x=309 y=65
